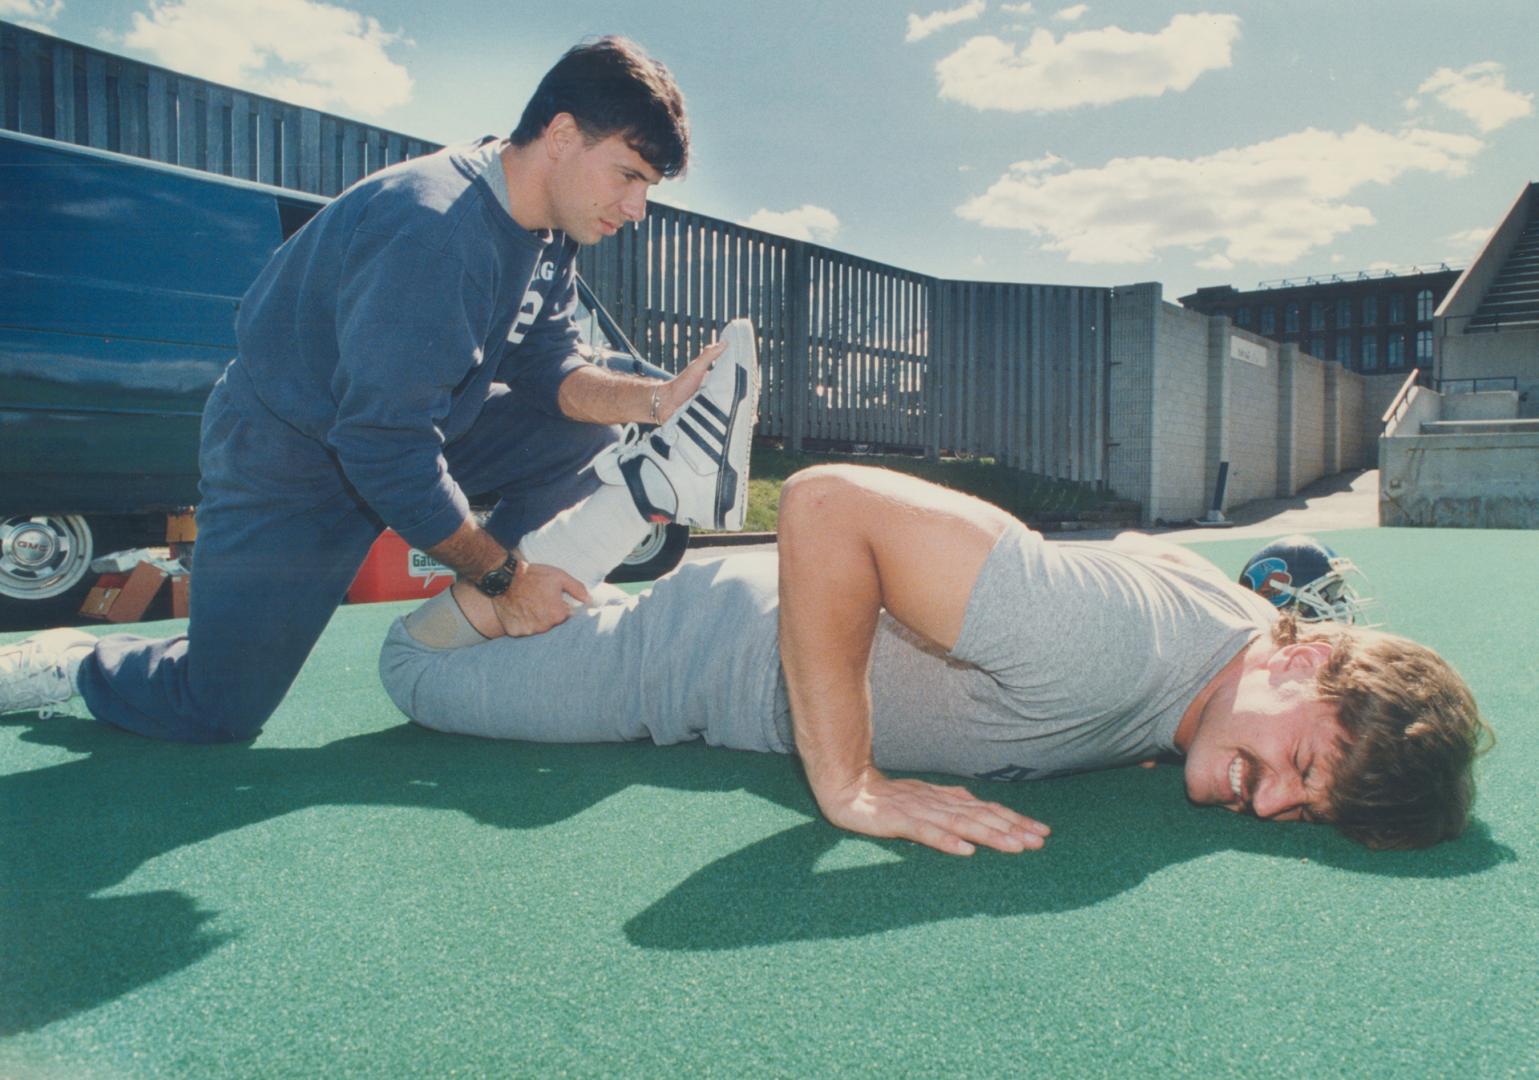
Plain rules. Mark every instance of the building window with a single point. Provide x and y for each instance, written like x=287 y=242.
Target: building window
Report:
x=1423 y=348
x=1269 y=320
x=1370 y=354
x=1396 y=309
x=1317 y=315
x=1343 y=350
x=1370 y=311
x=1343 y=313
x=1291 y=318
x=1317 y=347
x=1424 y=306
x=1396 y=350
x=1242 y=317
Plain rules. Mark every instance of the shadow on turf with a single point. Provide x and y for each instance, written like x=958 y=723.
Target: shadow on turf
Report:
x=82 y=827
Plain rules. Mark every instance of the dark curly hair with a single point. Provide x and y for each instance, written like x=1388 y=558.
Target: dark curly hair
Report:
x=612 y=87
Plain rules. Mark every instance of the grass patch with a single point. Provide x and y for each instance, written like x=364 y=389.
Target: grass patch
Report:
x=1023 y=494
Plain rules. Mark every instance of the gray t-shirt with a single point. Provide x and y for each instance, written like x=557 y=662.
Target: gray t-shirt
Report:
x=1072 y=656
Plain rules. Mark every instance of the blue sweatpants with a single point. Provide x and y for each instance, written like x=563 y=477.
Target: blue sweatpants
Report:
x=281 y=534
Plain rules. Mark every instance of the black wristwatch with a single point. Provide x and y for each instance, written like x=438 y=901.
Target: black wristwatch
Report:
x=495 y=582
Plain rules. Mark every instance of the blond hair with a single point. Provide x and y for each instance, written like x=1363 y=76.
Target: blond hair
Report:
x=1410 y=734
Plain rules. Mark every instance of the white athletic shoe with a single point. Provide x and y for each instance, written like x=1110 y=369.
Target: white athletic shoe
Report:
x=39 y=672
x=693 y=469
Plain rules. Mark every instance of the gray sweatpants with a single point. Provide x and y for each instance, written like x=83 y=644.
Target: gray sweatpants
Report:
x=694 y=657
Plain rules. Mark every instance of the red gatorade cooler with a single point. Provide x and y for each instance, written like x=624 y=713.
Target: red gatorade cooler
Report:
x=395 y=570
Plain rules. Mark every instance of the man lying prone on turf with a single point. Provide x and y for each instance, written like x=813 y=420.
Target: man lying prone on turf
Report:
x=913 y=628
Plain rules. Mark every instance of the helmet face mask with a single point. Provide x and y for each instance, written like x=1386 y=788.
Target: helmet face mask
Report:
x=1301 y=574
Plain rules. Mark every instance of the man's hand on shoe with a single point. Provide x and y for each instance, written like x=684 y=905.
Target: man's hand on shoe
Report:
x=676 y=391
x=948 y=819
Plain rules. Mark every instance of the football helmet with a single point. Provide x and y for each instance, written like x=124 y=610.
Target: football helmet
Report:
x=1302 y=574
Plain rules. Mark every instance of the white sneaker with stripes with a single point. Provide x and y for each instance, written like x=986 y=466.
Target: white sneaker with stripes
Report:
x=693 y=468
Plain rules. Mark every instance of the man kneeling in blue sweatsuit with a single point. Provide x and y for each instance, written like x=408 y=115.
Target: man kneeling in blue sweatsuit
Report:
x=414 y=341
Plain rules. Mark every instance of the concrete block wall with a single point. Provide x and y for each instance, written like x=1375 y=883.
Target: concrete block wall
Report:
x=1130 y=391
x=1309 y=420
x=1181 y=437
x=1251 y=417
x=1188 y=391
x=1359 y=439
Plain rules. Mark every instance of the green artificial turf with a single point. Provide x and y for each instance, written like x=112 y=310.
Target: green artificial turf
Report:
x=352 y=896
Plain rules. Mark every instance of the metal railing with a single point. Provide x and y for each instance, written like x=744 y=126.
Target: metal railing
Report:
x=1401 y=401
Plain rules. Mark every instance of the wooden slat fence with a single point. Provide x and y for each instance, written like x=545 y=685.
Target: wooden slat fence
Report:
x=852 y=351
x=74 y=93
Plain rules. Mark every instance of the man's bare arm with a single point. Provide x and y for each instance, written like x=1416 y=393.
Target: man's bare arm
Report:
x=596 y=395
x=853 y=540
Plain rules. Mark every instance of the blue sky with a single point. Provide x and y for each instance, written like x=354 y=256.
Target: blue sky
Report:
x=1100 y=143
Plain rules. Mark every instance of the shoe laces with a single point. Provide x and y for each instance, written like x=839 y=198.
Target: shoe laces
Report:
x=47 y=683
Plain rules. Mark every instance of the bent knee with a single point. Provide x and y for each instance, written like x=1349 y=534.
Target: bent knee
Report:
x=813 y=493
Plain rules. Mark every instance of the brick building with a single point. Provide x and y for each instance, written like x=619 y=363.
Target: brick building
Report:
x=1373 y=322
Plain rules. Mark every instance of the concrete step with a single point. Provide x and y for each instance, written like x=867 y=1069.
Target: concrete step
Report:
x=1490 y=326
x=1478 y=427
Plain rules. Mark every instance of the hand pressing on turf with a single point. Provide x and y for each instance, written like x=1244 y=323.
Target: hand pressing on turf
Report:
x=948 y=819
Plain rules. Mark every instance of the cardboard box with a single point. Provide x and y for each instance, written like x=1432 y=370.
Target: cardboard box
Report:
x=125 y=599
x=102 y=595
x=181 y=528
x=181 y=592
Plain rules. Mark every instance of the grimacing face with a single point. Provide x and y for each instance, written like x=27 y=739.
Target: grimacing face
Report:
x=599 y=186
x=1272 y=752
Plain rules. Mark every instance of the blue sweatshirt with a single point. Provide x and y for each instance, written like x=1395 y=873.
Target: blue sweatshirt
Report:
x=380 y=326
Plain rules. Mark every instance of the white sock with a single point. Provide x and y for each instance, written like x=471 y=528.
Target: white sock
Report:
x=589 y=539
x=439 y=623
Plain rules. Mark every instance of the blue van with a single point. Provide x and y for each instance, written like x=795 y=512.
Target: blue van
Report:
x=119 y=282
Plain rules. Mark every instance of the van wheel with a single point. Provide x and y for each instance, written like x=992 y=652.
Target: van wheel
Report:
x=659 y=553
x=43 y=555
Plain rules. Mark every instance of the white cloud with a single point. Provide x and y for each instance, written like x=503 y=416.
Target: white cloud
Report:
x=1267 y=203
x=1480 y=93
x=33 y=14
x=1093 y=67
x=1016 y=9
x=1071 y=14
x=806 y=222
x=922 y=26
x=1470 y=238
x=302 y=51
x=1216 y=261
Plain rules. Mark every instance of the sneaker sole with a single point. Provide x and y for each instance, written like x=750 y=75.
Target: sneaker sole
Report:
x=732 y=481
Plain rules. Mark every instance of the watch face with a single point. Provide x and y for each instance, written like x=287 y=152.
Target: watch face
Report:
x=495 y=582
